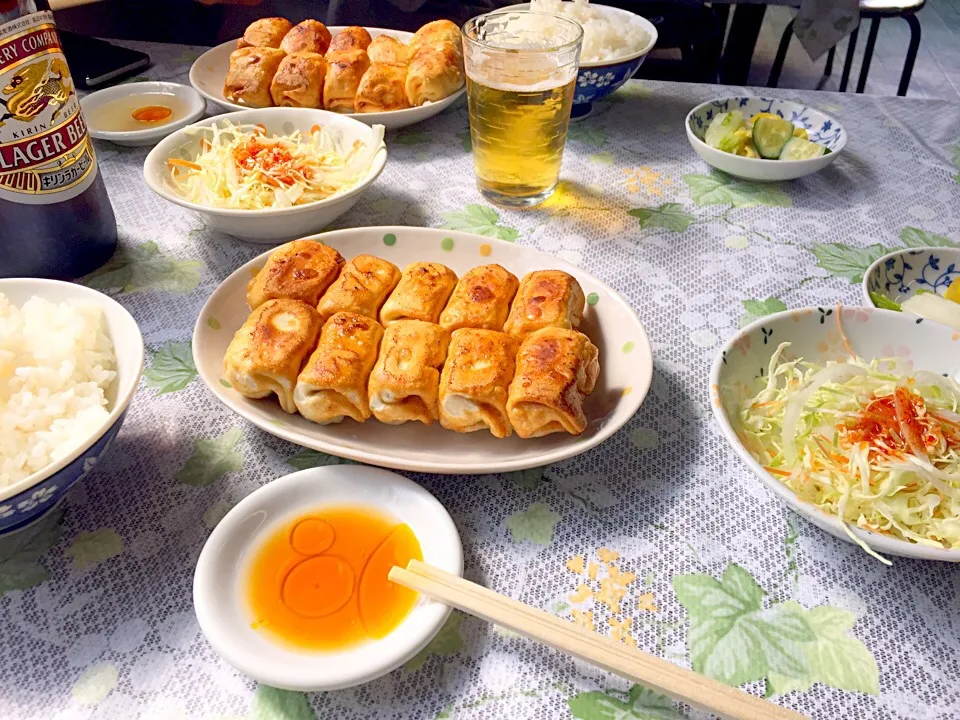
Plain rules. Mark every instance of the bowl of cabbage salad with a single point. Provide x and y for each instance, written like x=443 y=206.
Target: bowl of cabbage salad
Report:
x=764 y=139
x=270 y=174
x=851 y=417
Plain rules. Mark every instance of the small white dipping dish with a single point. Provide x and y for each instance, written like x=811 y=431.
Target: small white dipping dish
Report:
x=218 y=584
x=192 y=103
x=269 y=225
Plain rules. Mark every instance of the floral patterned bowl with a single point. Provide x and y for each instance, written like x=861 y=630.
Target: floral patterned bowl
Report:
x=900 y=274
x=821 y=128
x=600 y=78
x=741 y=367
x=33 y=497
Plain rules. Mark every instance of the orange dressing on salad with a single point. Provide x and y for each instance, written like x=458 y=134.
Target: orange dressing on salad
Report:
x=897 y=424
x=273 y=161
x=320 y=581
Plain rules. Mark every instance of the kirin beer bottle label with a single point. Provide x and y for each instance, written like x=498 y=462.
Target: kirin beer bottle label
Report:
x=46 y=155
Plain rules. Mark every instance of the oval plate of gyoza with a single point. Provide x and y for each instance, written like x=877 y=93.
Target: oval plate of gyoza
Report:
x=626 y=362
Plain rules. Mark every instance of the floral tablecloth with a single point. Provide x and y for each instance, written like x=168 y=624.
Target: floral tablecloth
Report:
x=660 y=537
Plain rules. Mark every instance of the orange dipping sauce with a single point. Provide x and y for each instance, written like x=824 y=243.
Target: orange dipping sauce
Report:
x=152 y=114
x=320 y=581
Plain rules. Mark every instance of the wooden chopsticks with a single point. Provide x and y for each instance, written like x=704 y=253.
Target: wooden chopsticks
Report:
x=679 y=683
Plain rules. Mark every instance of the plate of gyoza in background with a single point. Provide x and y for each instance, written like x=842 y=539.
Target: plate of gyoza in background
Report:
x=426 y=350
x=383 y=77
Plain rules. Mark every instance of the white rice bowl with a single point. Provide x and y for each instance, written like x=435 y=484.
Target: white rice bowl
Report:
x=57 y=364
x=604 y=40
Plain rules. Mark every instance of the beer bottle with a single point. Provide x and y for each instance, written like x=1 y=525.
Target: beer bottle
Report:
x=55 y=217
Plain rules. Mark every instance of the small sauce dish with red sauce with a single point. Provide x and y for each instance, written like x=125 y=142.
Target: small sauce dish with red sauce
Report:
x=138 y=114
x=291 y=587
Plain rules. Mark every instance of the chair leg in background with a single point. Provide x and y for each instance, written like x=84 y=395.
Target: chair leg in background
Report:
x=851 y=49
x=911 y=53
x=781 y=56
x=868 y=54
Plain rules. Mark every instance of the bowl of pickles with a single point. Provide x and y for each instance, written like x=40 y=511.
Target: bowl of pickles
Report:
x=764 y=139
x=921 y=281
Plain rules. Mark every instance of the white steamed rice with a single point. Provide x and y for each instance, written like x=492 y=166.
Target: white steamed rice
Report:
x=603 y=39
x=56 y=362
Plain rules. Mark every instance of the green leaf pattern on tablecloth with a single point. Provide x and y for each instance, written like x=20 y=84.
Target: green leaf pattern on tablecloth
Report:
x=733 y=637
x=669 y=216
x=89 y=549
x=20 y=554
x=142 y=268
x=527 y=479
x=915 y=237
x=588 y=134
x=718 y=188
x=834 y=658
x=481 y=220
x=212 y=459
x=411 y=137
x=535 y=524
x=448 y=641
x=171 y=368
x=756 y=309
x=270 y=703
x=955 y=159
x=303 y=459
x=641 y=704
x=846 y=261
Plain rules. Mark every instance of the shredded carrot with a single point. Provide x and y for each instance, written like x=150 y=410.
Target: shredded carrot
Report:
x=777 y=471
x=314 y=129
x=271 y=180
x=839 y=459
x=171 y=162
x=262 y=128
x=205 y=144
x=843 y=335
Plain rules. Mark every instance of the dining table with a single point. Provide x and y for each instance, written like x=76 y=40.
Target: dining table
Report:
x=660 y=537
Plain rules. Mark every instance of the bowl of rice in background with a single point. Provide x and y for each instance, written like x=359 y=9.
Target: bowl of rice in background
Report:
x=615 y=44
x=70 y=362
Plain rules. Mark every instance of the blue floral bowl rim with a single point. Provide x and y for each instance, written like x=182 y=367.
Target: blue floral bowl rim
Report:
x=124 y=394
x=688 y=124
x=878 y=263
x=648 y=27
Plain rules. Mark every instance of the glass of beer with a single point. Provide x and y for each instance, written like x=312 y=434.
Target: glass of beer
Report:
x=521 y=70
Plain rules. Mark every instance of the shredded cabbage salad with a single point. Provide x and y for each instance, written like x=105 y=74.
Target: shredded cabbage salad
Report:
x=240 y=167
x=862 y=441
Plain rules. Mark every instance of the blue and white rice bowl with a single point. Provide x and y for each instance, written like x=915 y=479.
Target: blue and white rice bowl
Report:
x=821 y=129
x=29 y=499
x=599 y=78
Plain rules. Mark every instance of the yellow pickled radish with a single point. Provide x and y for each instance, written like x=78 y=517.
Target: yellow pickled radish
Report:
x=953 y=292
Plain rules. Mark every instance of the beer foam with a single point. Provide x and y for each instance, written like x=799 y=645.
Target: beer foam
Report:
x=535 y=72
x=498 y=59
x=550 y=83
